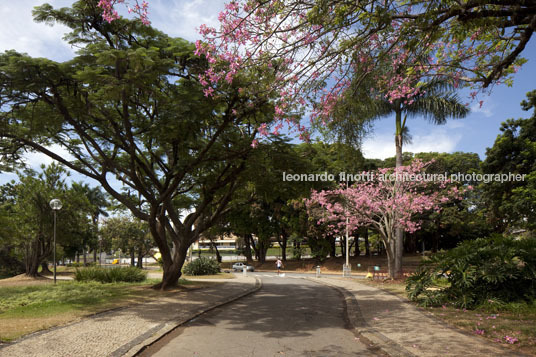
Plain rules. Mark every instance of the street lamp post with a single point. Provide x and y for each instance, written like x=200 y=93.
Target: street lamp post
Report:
x=346 y=270
x=56 y=205
x=100 y=251
x=347 y=239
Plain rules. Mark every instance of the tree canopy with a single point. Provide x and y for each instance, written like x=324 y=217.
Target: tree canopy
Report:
x=129 y=108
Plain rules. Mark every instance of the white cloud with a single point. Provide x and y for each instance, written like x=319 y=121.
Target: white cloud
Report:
x=455 y=124
x=36 y=159
x=182 y=18
x=383 y=146
x=18 y=31
x=485 y=109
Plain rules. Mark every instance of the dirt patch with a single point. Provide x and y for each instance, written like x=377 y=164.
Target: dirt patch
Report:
x=24 y=280
x=215 y=276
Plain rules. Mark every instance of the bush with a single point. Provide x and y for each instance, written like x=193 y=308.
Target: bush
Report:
x=497 y=269
x=202 y=266
x=111 y=275
x=10 y=265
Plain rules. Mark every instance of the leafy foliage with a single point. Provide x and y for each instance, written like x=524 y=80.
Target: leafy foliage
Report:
x=110 y=275
x=511 y=204
x=130 y=106
x=202 y=266
x=497 y=269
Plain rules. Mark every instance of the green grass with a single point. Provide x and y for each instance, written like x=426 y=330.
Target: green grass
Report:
x=26 y=309
x=41 y=300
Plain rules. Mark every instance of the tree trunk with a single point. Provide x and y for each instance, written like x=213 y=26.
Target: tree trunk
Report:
x=283 y=244
x=44 y=269
x=399 y=232
x=262 y=248
x=410 y=245
x=85 y=257
x=36 y=251
x=255 y=247
x=333 y=245
x=172 y=260
x=390 y=249
x=77 y=257
x=356 y=250
x=218 y=256
x=247 y=248
x=32 y=268
x=95 y=256
x=140 y=259
x=172 y=272
x=367 y=242
x=132 y=258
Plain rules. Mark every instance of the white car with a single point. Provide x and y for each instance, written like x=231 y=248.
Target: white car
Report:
x=240 y=267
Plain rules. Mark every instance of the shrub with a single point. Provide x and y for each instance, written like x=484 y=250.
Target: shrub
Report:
x=110 y=275
x=202 y=266
x=75 y=264
x=498 y=269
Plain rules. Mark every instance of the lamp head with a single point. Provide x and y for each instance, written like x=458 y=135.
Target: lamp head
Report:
x=55 y=204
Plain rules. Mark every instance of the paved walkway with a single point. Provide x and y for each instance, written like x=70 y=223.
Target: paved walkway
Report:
x=125 y=331
x=401 y=329
x=287 y=317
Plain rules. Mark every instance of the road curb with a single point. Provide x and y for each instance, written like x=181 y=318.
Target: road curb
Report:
x=154 y=335
x=359 y=324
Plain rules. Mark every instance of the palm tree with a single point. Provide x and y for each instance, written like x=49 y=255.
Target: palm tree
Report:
x=361 y=106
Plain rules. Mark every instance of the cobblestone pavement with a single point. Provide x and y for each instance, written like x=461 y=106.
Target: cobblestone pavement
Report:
x=401 y=329
x=124 y=331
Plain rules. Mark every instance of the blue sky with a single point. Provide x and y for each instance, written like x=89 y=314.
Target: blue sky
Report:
x=181 y=18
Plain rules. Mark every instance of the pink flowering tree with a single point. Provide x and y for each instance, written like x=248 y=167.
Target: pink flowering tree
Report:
x=317 y=48
x=109 y=13
x=387 y=199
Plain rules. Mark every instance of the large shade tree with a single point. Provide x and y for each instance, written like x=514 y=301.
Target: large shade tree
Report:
x=129 y=112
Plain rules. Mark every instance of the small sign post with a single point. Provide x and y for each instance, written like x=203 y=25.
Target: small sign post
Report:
x=376 y=269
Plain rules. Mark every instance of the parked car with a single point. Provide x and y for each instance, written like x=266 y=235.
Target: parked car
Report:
x=240 y=267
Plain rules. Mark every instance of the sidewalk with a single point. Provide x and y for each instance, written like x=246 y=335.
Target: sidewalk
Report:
x=125 y=331
x=401 y=329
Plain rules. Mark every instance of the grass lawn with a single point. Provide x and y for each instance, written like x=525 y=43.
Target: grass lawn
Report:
x=31 y=305
x=515 y=320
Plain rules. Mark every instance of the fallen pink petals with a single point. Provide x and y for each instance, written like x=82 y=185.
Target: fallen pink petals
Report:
x=511 y=340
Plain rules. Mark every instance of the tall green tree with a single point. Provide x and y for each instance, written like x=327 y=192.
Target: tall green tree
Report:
x=129 y=234
x=98 y=202
x=260 y=209
x=129 y=107
x=33 y=217
x=511 y=204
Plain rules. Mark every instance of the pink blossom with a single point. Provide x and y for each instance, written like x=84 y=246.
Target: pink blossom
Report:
x=510 y=339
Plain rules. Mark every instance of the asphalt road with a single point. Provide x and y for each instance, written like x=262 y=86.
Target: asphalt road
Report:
x=289 y=316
